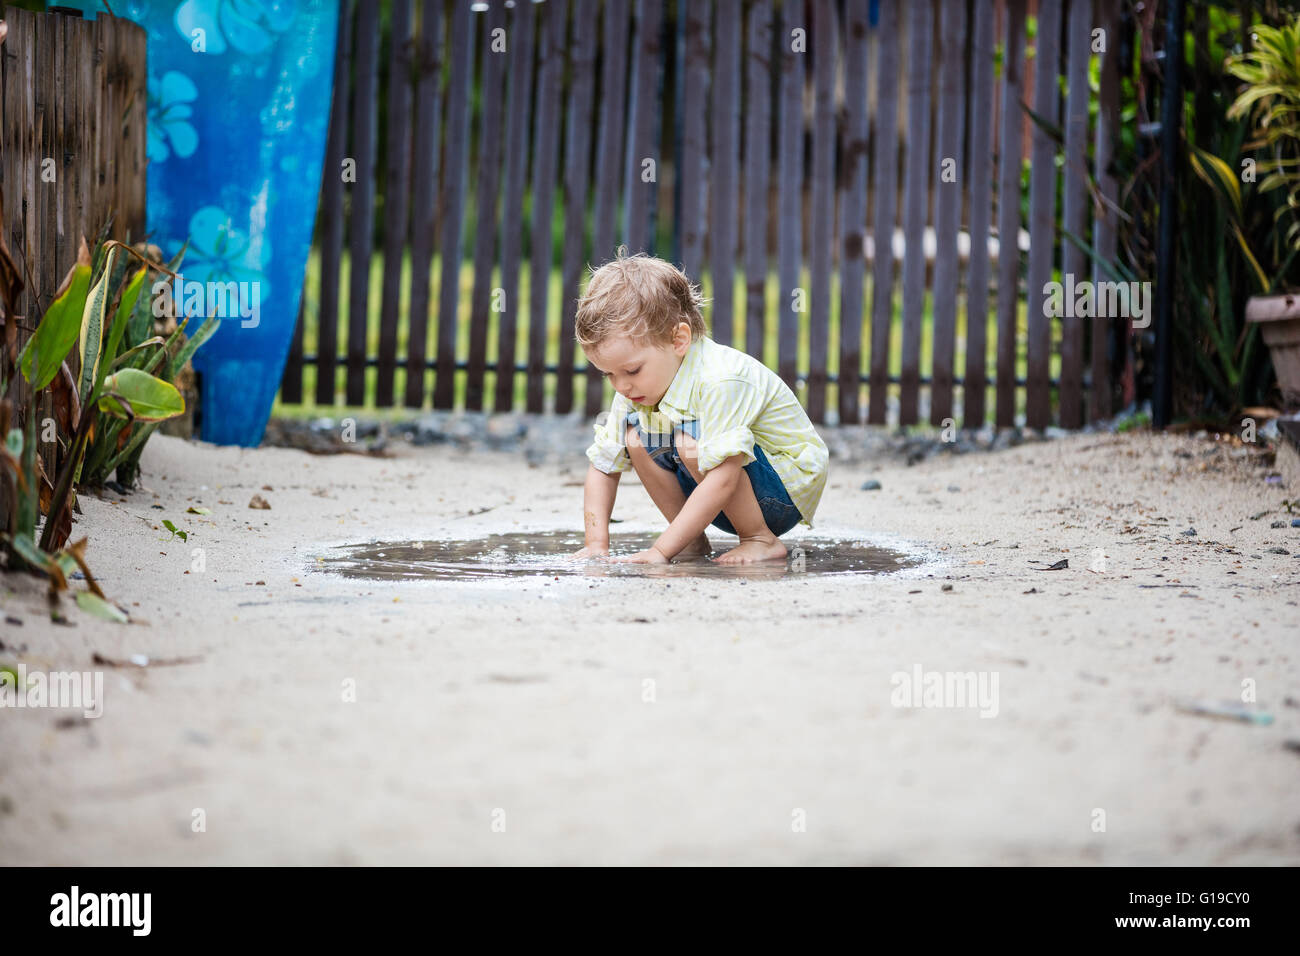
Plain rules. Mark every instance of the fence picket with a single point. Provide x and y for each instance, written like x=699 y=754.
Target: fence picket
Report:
x=642 y=144
x=609 y=151
x=886 y=213
x=853 y=210
x=790 y=236
x=758 y=163
x=693 y=162
x=1074 y=209
x=821 y=234
x=1042 y=216
x=917 y=176
x=360 y=224
x=577 y=176
x=980 y=177
x=1105 y=218
x=512 y=208
x=428 y=118
x=949 y=132
x=546 y=142
x=453 y=201
x=1012 y=85
x=489 y=178
x=723 y=168
x=397 y=180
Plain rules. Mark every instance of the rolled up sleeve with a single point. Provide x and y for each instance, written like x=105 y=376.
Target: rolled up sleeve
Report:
x=608 y=453
x=727 y=409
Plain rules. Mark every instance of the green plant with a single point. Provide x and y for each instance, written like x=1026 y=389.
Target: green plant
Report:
x=1216 y=277
x=140 y=358
x=99 y=393
x=1228 y=246
x=1271 y=100
x=109 y=407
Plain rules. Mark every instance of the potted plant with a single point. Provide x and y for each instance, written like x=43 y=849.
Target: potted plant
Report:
x=1271 y=99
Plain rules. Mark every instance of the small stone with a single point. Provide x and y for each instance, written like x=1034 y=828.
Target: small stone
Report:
x=946 y=587
x=260 y=503
x=1278 y=551
x=1295 y=522
x=870 y=485
x=954 y=489
x=1190 y=532
x=1282 y=524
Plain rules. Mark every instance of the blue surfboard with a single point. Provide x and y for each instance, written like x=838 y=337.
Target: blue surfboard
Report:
x=238 y=111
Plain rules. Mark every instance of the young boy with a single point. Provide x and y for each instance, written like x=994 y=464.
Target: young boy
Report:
x=715 y=435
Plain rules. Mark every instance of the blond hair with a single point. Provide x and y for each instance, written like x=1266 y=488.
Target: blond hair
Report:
x=640 y=297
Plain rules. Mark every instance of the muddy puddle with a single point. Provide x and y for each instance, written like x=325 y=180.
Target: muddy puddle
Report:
x=520 y=554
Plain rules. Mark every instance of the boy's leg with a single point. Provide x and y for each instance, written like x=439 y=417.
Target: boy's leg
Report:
x=664 y=490
x=757 y=542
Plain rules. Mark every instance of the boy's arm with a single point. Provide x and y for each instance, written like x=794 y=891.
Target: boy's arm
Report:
x=597 y=505
x=702 y=506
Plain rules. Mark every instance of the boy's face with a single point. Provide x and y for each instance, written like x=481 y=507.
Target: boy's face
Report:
x=641 y=372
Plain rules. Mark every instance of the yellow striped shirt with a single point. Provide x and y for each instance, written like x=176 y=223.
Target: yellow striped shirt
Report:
x=737 y=402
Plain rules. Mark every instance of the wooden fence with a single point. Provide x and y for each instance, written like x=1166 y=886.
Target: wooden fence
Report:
x=72 y=139
x=72 y=154
x=786 y=142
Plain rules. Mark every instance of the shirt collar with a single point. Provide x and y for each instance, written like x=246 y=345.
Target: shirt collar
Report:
x=677 y=400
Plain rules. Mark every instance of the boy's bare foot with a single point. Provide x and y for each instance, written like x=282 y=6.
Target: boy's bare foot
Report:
x=753 y=551
x=699 y=548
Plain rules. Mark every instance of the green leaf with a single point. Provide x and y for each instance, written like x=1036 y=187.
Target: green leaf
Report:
x=176 y=260
x=132 y=448
x=53 y=338
x=129 y=353
x=1218 y=175
x=95 y=605
x=150 y=399
x=1116 y=270
x=1250 y=257
x=29 y=501
x=92 y=330
x=141 y=323
x=162 y=353
x=194 y=510
x=191 y=346
x=142 y=318
x=125 y=308
x=1241 y=105
x=29 y=552
x=66 y=562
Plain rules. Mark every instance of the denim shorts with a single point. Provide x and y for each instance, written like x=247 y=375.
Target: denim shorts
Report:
x=779 y=510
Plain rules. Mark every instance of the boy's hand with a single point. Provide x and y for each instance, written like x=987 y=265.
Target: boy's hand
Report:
x=593 y=551
x=649 y=556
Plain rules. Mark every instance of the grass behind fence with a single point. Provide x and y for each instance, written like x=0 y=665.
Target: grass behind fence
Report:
x=309 y=407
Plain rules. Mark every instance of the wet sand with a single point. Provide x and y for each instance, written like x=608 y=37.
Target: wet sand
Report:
x=640 y=718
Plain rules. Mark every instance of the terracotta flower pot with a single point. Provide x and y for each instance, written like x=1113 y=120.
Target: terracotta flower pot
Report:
x=1279 y=319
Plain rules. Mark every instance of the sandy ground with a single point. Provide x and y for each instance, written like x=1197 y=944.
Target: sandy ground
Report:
x=508 y=722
